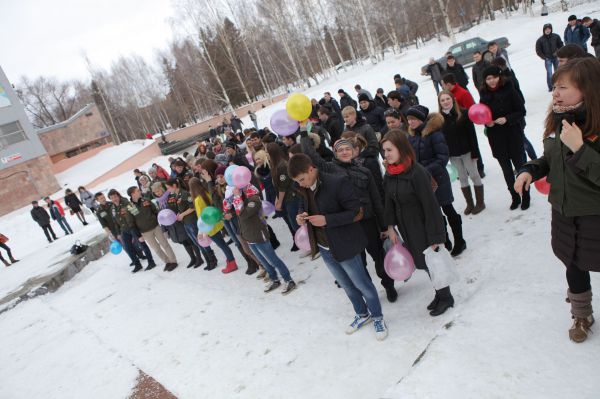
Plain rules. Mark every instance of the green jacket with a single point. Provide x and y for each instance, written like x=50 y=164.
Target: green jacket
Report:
x=121 y=215
x=574 y=177
x=143 y=214
x=185 y=202
x=283 y=182
x=106 y=219
x=253 y=227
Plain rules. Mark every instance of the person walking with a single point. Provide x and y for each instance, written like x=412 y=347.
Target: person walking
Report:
x=57 y=213
x=570 y=164
x=546 y=47
x=41 y=217
x=576 y=33
x=436 y=71
x=594 y=27
x=3 y=241
x=253 y=119
x=74 y=205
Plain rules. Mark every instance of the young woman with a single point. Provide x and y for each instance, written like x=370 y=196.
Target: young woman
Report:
x=461 y=138
x=183 y=173
x=262 y=170
x=505 y=133
x=202 y=199
x=431 y=151
x=87 y=198
x=361 y=157
x=186 y=213
x=74 y=205
x=571 y=165
x=410 y=204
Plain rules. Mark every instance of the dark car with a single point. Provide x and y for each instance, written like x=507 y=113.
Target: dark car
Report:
x=463 y=51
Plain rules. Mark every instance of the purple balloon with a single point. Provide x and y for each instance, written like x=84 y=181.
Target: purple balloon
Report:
x=241 y=177
x=282 y=124
x=166 y=217
x=301 y=238
x=204 y=241
x=399 y=263
x=268 y=208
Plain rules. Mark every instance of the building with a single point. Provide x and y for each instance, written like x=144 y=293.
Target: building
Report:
x=81 y=132
x=25 y=167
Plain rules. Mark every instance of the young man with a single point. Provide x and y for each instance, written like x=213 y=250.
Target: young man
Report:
x=478 y=68
x=331 y=121
x=545 y=47
x=496 y=52
x=435 y=70
x=42 y=218
x=398 y=102
x=413 y=87
x=346 y=100
x=576 y=33
x=361 y=127
x=462 y=95
x=569 y=52
x=253 y=118
x=456 y=69
x=330 y=102
x=360 y=90
x=381 y=99
x=594 y=27
x=372 y=113
x=331 y=210
x=57 y=213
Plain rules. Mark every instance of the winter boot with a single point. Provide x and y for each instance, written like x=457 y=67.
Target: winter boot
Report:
x=445 y=301
x=468 y=199
x=137 y=268
x=459 y=242
x=252 y=266
x=211 y=260
x=448 y=243
x=581 y=310
x=231 y=267
x=151 y=265
x=526 y=200
x=516 y=199
x=5 y=262
x=273 y=238
x=435 y=301
x=391 y=294
x=198 y=255
x=479 y=202
x=190 y=250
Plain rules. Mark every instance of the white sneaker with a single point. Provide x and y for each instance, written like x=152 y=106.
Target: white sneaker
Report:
x=357 y=323
x=381 y=330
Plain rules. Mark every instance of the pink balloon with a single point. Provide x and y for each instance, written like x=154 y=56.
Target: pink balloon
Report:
x=249 y=159
x=301 y=238
x=204 y=241
x=542 y=186
x=480 y=114
x=241 y=177
x=282 y=124
x=399 y=263
x=268 y=208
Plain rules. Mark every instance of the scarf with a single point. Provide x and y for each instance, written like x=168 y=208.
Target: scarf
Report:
x=237 y=201
x=563 y=109
x=397 y=169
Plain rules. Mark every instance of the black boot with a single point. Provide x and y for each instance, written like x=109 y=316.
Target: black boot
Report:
x=448 y=243
x=526 y=200
x=459 y=243
x=445 y=301
x=391 y=294
x=137 y=268
x=435 y=301
x=190 y=250
x=198 y=254
x=273 y=238
x=151 y=265
x=516 y=199
x=252 y=266
x=211 y=260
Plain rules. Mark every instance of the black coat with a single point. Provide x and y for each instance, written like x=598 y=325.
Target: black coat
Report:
x=477 y=72
x=436 y=71
x=40 y=215
x=332 y=104
x=335 y=127
x=73 y=202
x=459 y=74
x=337 y=201
x=460 y=134
x=546 y=45
x=347 y=101
x=432 y=152
x=410 y=204
x=364 y=129
x=595 y=32
x=374 y=116
x=381 y=102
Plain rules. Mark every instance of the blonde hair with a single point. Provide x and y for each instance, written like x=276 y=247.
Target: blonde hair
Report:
x=262 y=155
x=348 y=111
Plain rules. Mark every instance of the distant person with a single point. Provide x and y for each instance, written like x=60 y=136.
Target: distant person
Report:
x=3 y=240
x=381 y=99
x=478 y=68
x=87 y=198
x=372 y=113
x=407 y=88
x=594 y=26
x=497 y=52
x=436 y=71
x=576 y=33
x=360 y=90
x=74 y=205
x=330 y=102
x=253 y=118
x=457 y=70
x=398 y=102
x=462 y=95
x=346 y=100
x=545 y=48
x=57 y=213
x=42 y=218
x=331 y=121
x=212 y=132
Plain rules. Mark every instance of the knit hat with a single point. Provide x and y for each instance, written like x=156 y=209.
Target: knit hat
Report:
x=363 y=97
x=231 y=144
x=222 y=158
x=492 y=71
x=342 y=142
x=419 y=112
x=220 y=170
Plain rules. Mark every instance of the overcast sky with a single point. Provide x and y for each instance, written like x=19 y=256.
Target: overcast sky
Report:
x=48 y=37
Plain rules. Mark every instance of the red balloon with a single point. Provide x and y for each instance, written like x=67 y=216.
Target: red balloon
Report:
x=542 y=186
x=480 y=114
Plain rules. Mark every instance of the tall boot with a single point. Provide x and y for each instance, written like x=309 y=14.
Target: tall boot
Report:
x=5 y=262
x=273 y=238
x=189 y=248
x=526 y=201
x=581 y=310
x=445 y=301
x=198 y=255
x=211 y=259
x=252 y=265
x=516 y=199
x=459 y=242
x=468 y=199
x=480 y=203
x=447 y=243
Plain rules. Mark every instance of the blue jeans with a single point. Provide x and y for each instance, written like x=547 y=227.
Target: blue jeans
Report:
x=127 y=238
x=291 y=211
x=549 y=63
x=232 y=230
x=192 y=232
x=220 y=241
x=270 y=261
x=353 y=278
x=62 y=222
x=529 y=148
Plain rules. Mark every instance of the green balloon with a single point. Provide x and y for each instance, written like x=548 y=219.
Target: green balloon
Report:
x=211 y=215
x=452 y=172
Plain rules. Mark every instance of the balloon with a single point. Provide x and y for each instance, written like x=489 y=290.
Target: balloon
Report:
x=116 y=247
x=203 y=227
x=542 y=186
x=282 y=124
x=228 y=174
x=480 y=114
x=452 y=171
x=301 y=238
x=399 y=263
x=268 y=208
x=167 y=217
x=298 y=106
x=211 y=215
x=249 y=159
x=228 y=192
x=204 y=241
x=241 y=177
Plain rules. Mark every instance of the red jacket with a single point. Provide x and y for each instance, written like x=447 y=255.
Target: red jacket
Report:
x=162 y=173
x=463 y=97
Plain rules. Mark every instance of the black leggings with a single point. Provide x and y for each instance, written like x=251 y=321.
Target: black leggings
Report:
x=2 y=245
x=578 y=280
x=450 y=212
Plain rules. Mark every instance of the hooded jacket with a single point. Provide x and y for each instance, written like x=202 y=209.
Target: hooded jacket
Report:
x=578 y=35
x=546 y=45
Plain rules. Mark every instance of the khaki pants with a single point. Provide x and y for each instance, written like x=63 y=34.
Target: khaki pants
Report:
x=157 y=241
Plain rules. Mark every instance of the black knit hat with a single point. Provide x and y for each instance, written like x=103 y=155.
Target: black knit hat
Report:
x=492 y=70
x=418 y=111
x=363 y=97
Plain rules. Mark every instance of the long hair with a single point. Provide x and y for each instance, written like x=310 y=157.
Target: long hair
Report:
x=455 y=105
x=276 y=155
x=198 y=190
x=210 y=166
x=583 y=73
x=399 y=139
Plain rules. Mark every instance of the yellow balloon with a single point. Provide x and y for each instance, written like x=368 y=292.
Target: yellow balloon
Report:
x=298 y=106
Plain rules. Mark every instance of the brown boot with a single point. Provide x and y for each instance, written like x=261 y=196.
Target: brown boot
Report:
x=469 y=199
x=480 y=203
x=581 y=309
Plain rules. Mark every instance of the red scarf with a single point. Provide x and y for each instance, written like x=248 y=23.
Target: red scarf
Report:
x=401 y=168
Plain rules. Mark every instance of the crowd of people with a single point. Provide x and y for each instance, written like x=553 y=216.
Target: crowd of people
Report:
x=360 y=173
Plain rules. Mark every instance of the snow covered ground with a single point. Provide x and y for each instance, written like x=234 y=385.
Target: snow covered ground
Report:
x=204 y=334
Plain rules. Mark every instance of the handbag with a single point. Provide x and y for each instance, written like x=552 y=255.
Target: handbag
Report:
x=78 y=248
x=3 y=238
x=442 y=269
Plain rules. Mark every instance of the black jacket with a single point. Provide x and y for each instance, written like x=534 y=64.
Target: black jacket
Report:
x=412 y=86
x=381 y=101
x=364 y=129
x=337 y=201
x=436 y=71
x=477 y=72
x=460 y=134
x=73 y=202
x=595 y=32
x=375 y=118
x=459 y=74
x=332 y=104
x=40 y=215
x=335 y=127
x=546 y=45
x=347 y=101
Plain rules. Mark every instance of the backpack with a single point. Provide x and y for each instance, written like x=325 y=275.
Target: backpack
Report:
x=78 y=248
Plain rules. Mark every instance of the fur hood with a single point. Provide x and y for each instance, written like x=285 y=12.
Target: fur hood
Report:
x=433 y=123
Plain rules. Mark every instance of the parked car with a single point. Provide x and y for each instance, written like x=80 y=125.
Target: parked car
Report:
x=463 y=51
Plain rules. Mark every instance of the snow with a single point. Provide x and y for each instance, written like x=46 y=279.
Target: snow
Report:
x=205 y=334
